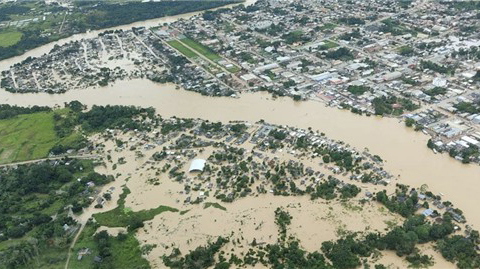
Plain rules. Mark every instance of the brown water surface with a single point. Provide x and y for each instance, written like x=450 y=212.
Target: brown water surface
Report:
x=404 y=150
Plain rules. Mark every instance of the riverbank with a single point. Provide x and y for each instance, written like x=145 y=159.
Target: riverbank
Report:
x=44 y=49
x=402 y=148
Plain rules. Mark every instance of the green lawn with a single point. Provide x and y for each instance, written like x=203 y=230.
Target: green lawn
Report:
x=205 y=51
x=120 y=217
x=8 y=39
x=330 y=44
x=233 y=69
x=26 y=137
x=29 y=136
x=328 y=26
x=184 y=50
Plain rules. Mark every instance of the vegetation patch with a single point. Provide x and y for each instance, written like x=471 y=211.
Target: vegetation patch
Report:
x=202 y=257
x=328 y=27
x=328 y=44
x=8 y=39
x=393 y=105
x=204 y=50
x=119 y=217
x=215 y=205
x=358 y=90
x=30 y=237
x=30 y=136
x=122 y=251
x=182 y=49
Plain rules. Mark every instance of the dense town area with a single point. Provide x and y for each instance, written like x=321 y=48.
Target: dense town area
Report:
x=416 y=60
x=269 y=134
x=169 y=175
x=26 y=25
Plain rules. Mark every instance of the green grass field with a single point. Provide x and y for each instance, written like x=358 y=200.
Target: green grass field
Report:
x=330 y=44
x=30 y=136
x=328 y=26
x=8 y=39
x=26 y=137
x=205 y=51
x=184 y=50
x=233 y=69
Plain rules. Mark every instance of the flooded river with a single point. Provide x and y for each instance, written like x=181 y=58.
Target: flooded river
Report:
x=403 y=149
x=5 y=64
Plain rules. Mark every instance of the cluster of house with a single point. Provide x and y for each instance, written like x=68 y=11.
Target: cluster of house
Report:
x=285 y=47
x=345 y=54
x=112 y=56
x=439 y=204
x=206 y=159
x=452 y=130
x=415 y=52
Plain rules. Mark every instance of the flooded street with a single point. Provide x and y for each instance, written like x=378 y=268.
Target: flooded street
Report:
x=5 y=64
x=244 y=220
x=404 y=150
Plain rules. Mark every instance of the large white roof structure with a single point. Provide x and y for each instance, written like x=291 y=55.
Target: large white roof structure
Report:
x=197 y=165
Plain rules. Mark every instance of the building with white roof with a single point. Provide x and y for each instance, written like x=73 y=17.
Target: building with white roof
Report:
x=197 y=165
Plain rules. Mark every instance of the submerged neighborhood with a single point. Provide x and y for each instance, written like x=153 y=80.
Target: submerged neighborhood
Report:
x=390 y=61
x=222 y=178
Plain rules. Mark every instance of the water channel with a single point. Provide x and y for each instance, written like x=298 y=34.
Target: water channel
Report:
x=404 y=150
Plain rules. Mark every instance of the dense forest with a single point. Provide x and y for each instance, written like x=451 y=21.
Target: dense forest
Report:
x=393 y=105
x=106 y=15
x=8 y=111
x=99 y=118
x=35 y=201
x=7 y=10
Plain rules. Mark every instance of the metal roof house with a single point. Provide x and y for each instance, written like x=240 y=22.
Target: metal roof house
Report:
x=197 y=165
x=427 y=212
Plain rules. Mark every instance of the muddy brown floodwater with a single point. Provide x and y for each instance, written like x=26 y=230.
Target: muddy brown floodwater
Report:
x=404 y=150
x=37 y=52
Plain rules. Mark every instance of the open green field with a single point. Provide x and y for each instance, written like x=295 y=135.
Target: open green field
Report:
x=29 y=136
x=198 y=48
x=8 y=39
x=328 y=26
x=205 y=51
x=330 y=44
x=233 y=69
x=184 y=50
